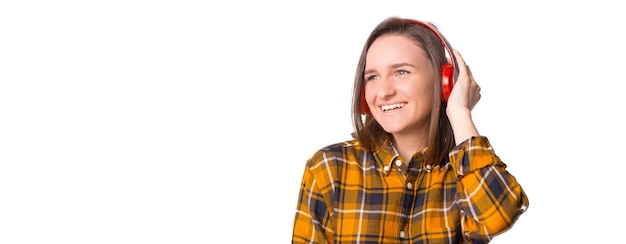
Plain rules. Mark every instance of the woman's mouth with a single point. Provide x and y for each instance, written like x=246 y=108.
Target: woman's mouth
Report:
x=390 y=107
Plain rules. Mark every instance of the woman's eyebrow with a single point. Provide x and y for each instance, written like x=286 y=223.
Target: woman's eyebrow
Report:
x=395 y=66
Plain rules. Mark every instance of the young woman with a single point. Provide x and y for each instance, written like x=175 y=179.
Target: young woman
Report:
x=417 y=170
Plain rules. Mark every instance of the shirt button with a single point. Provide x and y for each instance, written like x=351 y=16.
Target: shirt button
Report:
x=402 y=234
x=386 y=168
x=428 y=167
x=409 y=185
x=398 y=163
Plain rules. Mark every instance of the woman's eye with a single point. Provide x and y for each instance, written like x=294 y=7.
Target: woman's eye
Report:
x=371 y=77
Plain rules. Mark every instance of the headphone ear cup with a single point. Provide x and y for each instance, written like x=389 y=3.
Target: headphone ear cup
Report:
x=364 y=108
x=447 y=81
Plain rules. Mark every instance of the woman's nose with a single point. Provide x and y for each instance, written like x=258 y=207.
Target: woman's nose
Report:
x=386 y=87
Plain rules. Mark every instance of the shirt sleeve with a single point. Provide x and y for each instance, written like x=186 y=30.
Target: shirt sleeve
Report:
x=490 y=198
x=312 y=222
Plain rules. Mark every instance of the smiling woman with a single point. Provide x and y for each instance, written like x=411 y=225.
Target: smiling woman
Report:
x=143 y=121
x=417 y=169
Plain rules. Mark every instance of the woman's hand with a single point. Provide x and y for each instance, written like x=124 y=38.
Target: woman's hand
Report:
x=464 y=96
x=465 y=92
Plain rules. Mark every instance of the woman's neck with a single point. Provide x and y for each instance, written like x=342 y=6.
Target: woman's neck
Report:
x=409 y=144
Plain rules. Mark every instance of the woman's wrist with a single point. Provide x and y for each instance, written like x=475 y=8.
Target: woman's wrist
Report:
x=462 y=124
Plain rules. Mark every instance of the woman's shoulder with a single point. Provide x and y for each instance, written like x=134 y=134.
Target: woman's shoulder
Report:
x=341 y=146
x=337 y=150
x=333 y=156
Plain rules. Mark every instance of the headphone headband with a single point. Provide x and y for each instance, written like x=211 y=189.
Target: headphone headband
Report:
x=445 y=43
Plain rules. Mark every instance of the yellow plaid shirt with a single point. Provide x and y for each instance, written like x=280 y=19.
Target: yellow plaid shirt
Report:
x=349 y=195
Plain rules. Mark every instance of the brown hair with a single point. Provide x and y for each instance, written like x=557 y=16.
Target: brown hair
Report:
x=368 y=131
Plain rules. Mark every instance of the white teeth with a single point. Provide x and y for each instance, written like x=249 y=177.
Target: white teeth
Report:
x=392 y=106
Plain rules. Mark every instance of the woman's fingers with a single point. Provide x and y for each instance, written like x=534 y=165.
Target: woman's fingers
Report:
x=467 y=90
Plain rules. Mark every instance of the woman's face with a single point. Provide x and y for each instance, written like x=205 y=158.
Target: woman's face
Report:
x=399 y=84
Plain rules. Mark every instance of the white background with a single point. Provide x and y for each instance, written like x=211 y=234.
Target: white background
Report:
x=191 y=122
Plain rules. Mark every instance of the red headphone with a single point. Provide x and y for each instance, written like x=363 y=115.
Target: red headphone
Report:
x=448 y=74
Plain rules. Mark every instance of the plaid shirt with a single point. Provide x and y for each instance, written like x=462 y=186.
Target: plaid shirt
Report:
x=349 y=195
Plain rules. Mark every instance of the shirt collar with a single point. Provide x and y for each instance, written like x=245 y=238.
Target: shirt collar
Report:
x=386 y=155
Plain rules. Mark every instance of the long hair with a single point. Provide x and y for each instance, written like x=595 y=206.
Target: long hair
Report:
x=367 y=130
